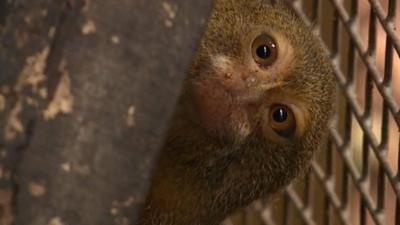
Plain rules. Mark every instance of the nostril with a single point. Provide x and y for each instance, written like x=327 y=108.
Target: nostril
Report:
x=228 y=75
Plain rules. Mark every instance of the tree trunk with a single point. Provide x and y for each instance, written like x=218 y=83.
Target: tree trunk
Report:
x=86 y=92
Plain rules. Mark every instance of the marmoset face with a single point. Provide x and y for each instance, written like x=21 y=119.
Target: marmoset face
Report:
x=260 y=72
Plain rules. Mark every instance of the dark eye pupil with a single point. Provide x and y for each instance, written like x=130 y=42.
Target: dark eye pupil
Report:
x=280 y=115
x=263 y=51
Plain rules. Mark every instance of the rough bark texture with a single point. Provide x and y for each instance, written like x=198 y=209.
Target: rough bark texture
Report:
x=86 y=91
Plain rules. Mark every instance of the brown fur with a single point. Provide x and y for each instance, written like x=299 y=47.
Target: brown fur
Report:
x=202 y=175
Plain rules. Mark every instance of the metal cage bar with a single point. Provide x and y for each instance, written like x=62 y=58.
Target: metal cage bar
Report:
x=355 y=191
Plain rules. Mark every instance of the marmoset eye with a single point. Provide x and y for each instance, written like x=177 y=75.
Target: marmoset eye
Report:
x=282 y=120
x=264 y=50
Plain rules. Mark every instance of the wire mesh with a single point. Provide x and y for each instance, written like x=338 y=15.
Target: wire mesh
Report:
x=356 y=179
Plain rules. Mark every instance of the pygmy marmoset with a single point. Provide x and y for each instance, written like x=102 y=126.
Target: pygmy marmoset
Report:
x=254 y=108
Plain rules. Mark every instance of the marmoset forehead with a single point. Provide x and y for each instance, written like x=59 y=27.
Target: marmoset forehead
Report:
x=227 y=30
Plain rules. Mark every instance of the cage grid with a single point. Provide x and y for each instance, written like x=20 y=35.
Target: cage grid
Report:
x=356 y=179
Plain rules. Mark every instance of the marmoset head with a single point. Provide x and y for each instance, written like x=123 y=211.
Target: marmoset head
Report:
x=260 y=71
x=255 y=106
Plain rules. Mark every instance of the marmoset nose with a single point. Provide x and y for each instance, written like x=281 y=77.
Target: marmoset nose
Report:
x=250 y=80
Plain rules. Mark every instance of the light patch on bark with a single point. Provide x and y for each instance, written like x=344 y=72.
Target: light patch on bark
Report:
x=169 y=9
x=63 y=100
x=122 y=221
x=52 y=32
x=124 y=204
x=83 y=170
x=6 y=217
x=33 y=72
x=117 y=207
x=115 y=39
x=114 y=211
x=71 y=167
x=32 y=75
x=2 y=102
x=170 y=13
x=28 y=19
x=89 y=27
x=44 y=12
x=32 y=101
x=43 y=93
x=3 y=153
x=66 y=167
x=37 y=189
x=55 y=221
x=130 y=119
x=13 y=125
